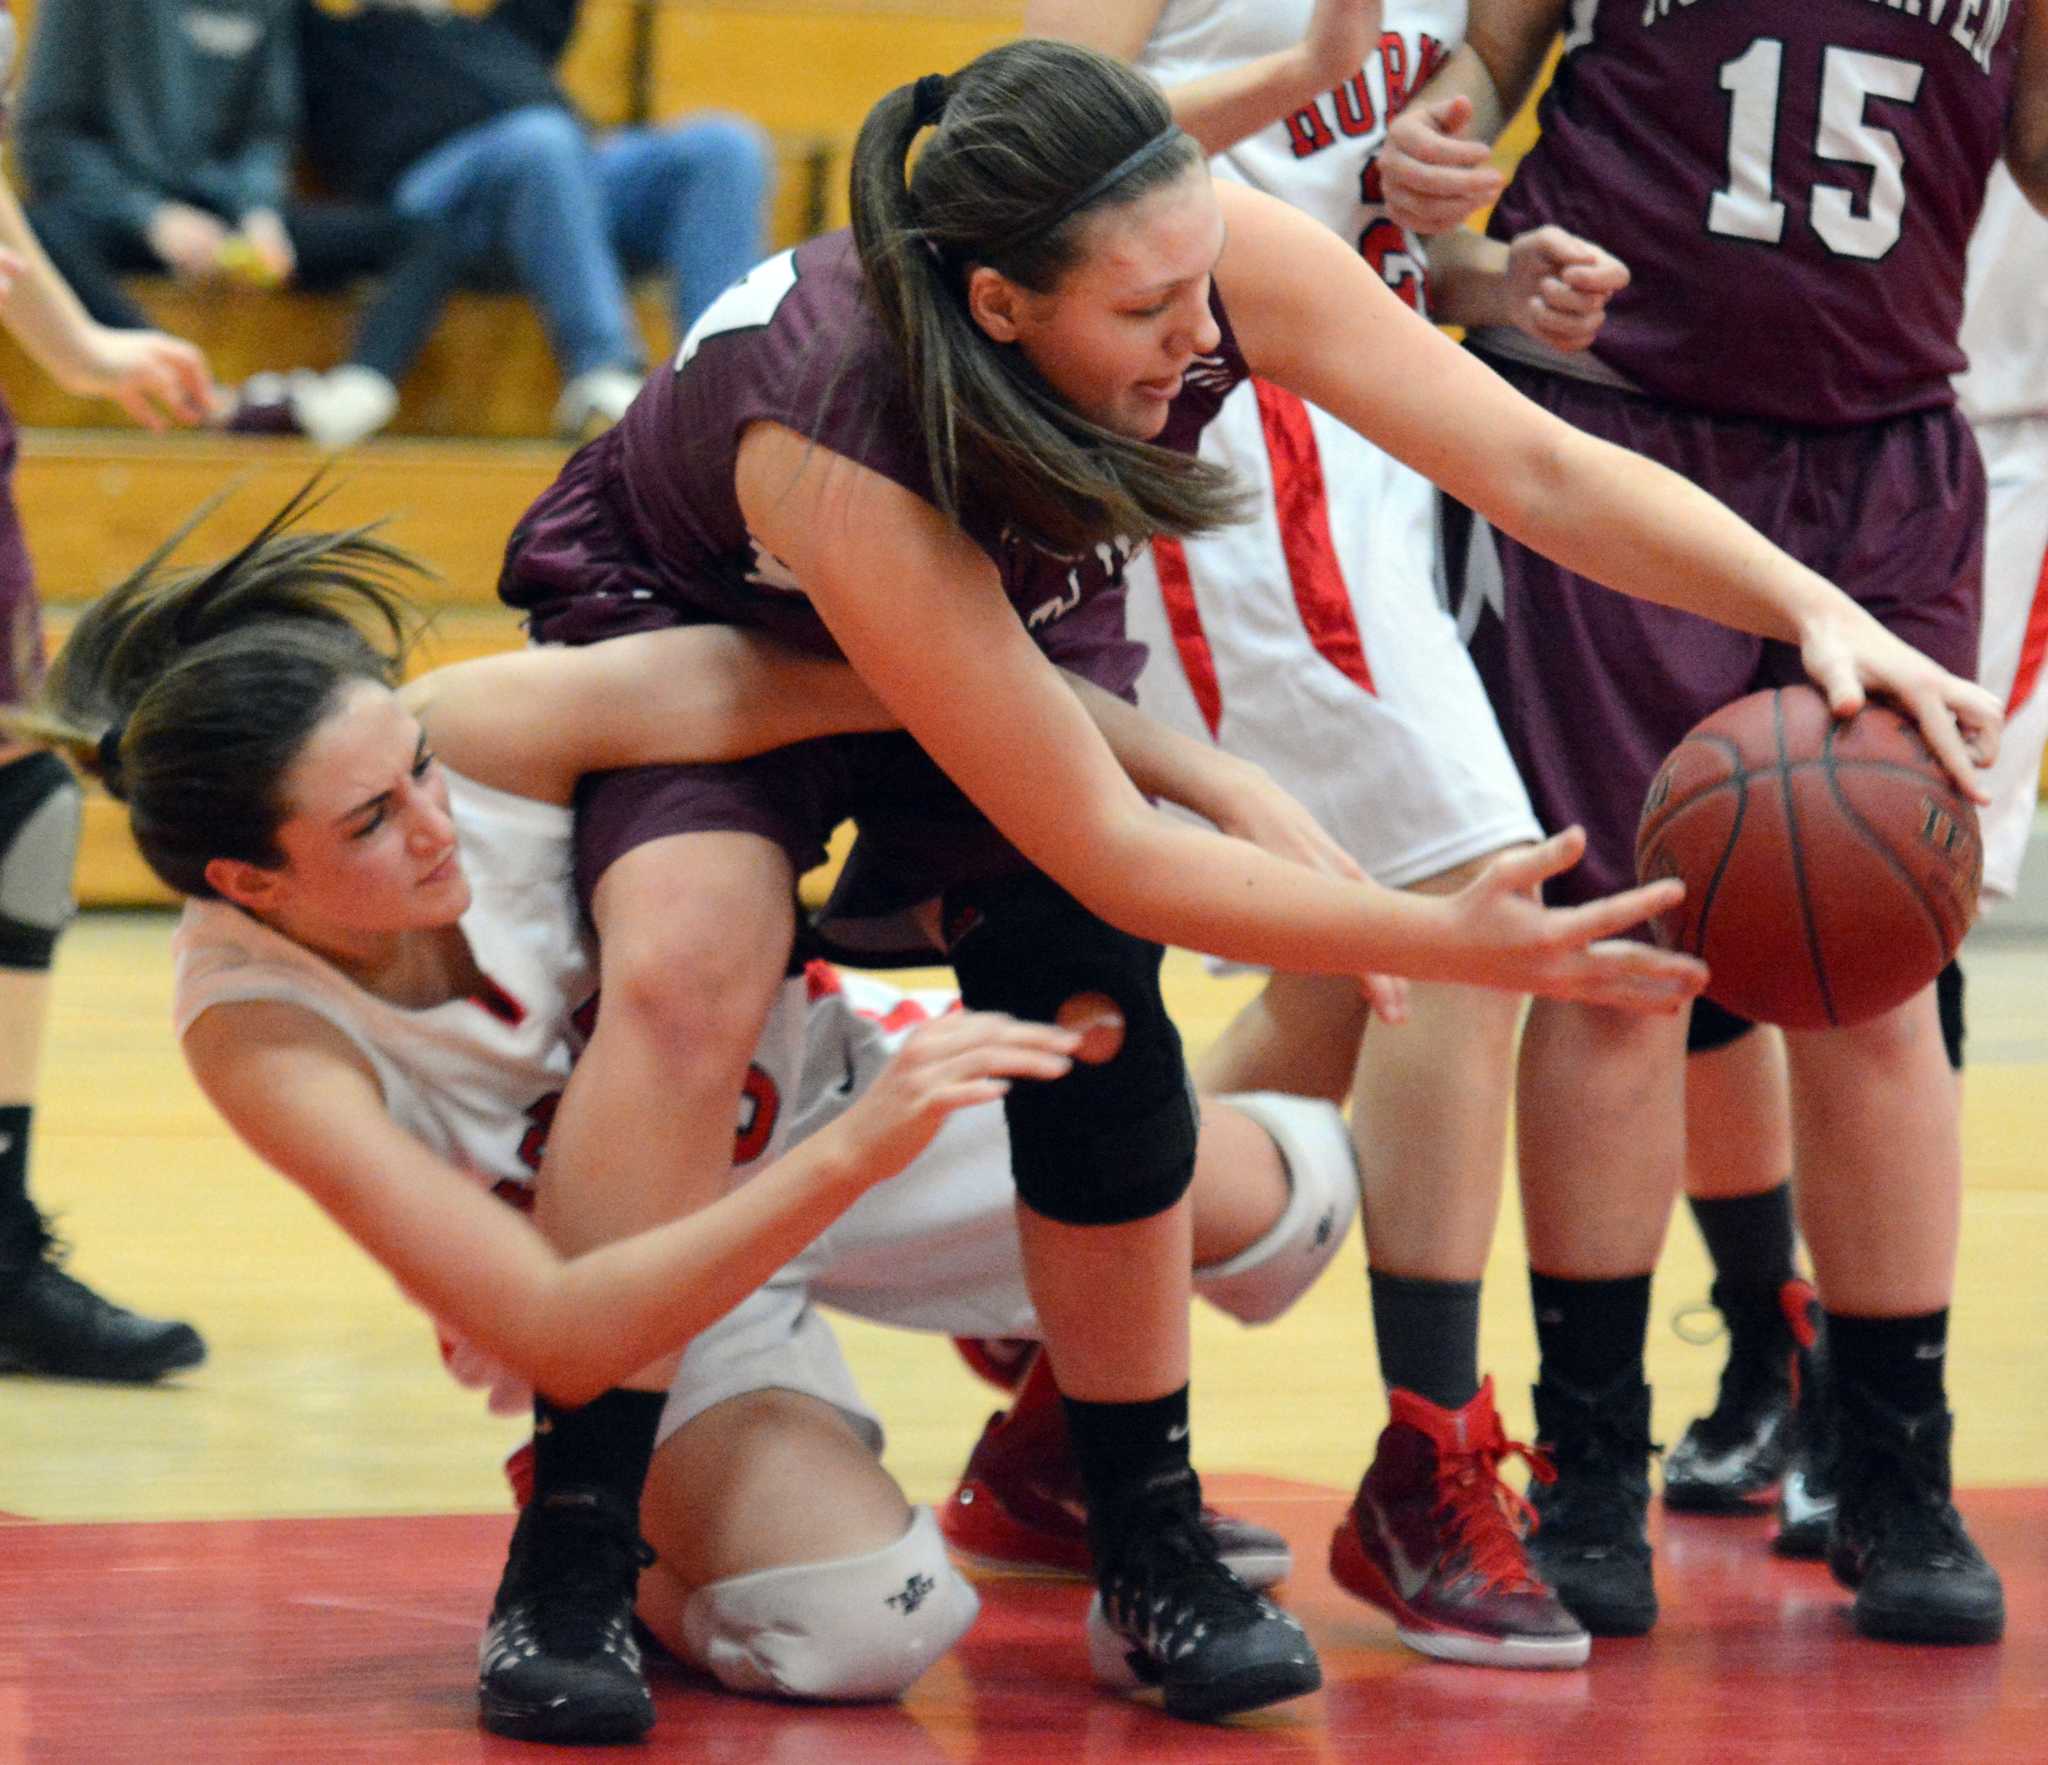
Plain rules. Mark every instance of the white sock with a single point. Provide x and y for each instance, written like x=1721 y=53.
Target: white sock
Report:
x=341 y=407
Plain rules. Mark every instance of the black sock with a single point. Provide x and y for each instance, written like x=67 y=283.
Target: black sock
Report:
x=21 y=1227
x=1126 y=1452
x=1590 y=1333
x=1428 y=1336
x=605 y=1445
x=1899 y=1361
x=1749 y=1238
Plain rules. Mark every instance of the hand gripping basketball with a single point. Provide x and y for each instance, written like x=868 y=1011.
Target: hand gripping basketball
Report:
x=1571 y=952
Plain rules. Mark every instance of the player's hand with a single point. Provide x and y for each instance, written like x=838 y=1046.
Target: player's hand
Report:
x=265 y=247
x=1386 y=996
x=953 y=1062
x=157 y=380
x=1434 y=173
x=1514 y=941
x=1258 y=811
x=186 y=240
x=1849 y=655
x=1558 y=286
x=1340 y=35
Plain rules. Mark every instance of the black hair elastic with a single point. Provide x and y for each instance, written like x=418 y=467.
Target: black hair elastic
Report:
x=928 y=99
x=110 y=756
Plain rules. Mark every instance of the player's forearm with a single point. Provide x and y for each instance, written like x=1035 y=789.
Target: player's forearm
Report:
x=40 y=311
x=612 y=1310
x=1510 y=39
x=1636 y=526
x=1160 y=761
x=1224 y=108
x=1464 y=75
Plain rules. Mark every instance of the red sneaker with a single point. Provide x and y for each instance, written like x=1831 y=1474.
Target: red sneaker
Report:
x=1435 y=1537
x=1000 y=1360
x=1019 y=1507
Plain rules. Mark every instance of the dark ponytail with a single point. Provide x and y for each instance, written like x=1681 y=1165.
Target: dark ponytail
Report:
x=190 y=692
x=1028 y=138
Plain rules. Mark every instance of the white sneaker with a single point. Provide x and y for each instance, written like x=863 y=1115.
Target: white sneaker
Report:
x=594 y=401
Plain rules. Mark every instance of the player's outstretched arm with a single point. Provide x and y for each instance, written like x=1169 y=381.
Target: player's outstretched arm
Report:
x=1222 y=108
x=1310 y=315
x=157 y=380
x=303 y=1099
x=2026 y=134
x=919 y=611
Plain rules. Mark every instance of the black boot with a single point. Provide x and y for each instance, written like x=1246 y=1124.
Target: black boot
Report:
x=559 y=1661
x=1806 y=1498
x=53 y=1324
x=1898 y=1540
x=1591 y=1543
x=1168 y=1613
x=1732 y=1460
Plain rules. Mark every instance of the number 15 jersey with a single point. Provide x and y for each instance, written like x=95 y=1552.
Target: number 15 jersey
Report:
x=1793 y=184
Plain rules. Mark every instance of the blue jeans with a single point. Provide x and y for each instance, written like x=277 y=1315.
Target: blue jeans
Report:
x=574 y=215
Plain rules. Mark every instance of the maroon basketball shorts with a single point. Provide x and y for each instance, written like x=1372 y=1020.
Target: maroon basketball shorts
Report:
x=1594 y=688
x=21 y=619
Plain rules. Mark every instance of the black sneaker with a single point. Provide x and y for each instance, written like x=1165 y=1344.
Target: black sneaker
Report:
x=1806 y=1499
x=1898 y=1540
x=559 y=1660
x=1591 y=1542
x=1732 y=1460
x=53 y=1324
x=1168 y=1613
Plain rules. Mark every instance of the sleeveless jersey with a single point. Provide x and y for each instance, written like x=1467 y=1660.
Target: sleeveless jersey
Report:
x=2005 y=314
x=476 y=1080
x=1322 y=159
x=649 y=510
x=1792 y=183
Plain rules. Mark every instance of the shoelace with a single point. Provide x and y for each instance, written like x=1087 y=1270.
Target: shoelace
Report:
x=1484 y=1518
x=1177 y=1592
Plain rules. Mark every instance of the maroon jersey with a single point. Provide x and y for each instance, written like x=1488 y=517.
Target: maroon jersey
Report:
x=645 y=521
x=1793 y=184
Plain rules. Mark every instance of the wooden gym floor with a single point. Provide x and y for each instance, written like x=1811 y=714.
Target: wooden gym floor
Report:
x=287 y=1554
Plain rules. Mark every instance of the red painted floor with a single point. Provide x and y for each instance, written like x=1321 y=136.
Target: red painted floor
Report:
x=299 y=1640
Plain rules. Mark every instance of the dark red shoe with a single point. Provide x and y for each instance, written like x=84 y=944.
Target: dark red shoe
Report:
x=1019 y=1508
x=1000 y=1360
x=1435 y=1538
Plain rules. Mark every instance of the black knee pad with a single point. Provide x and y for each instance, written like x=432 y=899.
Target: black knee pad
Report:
x=1107 y=1144
x=1948 y=996
x=1713 y=1026
x=40 y=810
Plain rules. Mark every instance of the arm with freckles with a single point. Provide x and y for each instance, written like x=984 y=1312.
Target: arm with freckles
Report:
x=1311 y=316
x=303 y=1099
x=881 y=564
x=1222 y=108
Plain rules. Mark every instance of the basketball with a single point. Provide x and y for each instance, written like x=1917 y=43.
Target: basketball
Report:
x=1831 y=866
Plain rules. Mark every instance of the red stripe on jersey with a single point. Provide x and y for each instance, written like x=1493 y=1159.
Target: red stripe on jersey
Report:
x=1184 y=620
x=1301 y=501
x=821 y=981
x=499 y=1003
x=904 y=1014
x=2033 y=647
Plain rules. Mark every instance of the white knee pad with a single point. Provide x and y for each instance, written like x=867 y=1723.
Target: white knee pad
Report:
x=1264 y=1279
x=857 y=1627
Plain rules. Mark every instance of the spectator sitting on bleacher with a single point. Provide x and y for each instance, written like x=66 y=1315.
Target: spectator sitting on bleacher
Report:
x=159 y=135
x=449 y=109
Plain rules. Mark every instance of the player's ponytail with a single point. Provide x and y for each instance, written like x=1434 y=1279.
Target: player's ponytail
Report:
x=1028 y=141
x=190 y=691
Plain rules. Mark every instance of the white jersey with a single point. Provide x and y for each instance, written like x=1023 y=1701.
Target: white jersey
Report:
x=475 y=1079
x=2005 y=393
x=1320 y=159
x=1311 y=639
x=2005 y=312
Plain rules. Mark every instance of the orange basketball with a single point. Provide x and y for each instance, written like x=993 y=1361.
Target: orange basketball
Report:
x=1830 y=866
